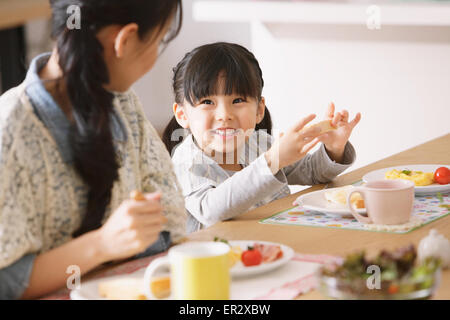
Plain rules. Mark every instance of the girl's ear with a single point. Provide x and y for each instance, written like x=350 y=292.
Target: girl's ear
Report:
x=124 y=38
x=180 y=115
x=261 y=110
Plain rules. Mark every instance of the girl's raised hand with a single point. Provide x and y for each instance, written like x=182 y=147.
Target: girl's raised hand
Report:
x=293 y=145
x=336 y=140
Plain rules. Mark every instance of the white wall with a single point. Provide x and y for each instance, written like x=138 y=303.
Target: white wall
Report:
x=397 y=77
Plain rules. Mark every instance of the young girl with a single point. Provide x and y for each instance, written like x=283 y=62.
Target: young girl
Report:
x=229 y=163
x=74 y=142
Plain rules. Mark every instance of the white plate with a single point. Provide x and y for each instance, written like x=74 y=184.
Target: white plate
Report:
x=419 y=190
x=239 y=270
x=316 y=201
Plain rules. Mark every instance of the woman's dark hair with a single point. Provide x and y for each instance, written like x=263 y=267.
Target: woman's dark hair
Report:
x=85 y=73
x=196 y=76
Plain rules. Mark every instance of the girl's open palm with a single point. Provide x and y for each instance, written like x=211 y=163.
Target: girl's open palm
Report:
x=336 y=140
x=293 y=145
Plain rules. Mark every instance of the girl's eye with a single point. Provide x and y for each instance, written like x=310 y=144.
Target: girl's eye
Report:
x=238 y=100
x=206 y=101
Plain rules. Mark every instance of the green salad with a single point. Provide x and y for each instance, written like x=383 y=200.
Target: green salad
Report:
x=398 y=273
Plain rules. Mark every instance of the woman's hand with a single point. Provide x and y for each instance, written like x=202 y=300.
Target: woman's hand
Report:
x=132 y=227
x=293 y=145
x=336 y=140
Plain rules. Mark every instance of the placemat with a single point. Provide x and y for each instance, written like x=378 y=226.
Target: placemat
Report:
x=426 y=209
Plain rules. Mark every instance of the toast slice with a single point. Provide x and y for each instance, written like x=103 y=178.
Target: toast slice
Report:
x=132 y=289
x=324 y=126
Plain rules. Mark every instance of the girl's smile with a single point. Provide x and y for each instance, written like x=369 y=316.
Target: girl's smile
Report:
x=226 y=133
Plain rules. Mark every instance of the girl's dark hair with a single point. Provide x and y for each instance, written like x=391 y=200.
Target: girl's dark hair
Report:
x=196 y=76
x=85 y=73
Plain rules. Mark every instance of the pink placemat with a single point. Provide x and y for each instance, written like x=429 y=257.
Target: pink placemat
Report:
x=299 y=285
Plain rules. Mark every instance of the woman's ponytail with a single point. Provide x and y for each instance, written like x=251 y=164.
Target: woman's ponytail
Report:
x=85 y=73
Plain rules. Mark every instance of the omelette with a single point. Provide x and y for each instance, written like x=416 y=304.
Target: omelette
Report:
x=418 y=177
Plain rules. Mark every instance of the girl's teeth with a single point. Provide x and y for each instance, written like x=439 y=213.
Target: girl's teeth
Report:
x=228 y=132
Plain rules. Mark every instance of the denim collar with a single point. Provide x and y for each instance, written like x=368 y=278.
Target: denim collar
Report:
x=52 y=116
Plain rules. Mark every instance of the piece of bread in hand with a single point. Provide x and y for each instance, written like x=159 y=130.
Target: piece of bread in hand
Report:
x=324 y=126
x=137 y=195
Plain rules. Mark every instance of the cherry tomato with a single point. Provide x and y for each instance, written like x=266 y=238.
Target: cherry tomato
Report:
x=442 y=175
x=393 y=288
x=251 y=257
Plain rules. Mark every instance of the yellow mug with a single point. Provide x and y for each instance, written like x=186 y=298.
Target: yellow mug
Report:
x=198 y=271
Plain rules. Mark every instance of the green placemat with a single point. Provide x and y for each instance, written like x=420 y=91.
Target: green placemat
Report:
x=426 y=209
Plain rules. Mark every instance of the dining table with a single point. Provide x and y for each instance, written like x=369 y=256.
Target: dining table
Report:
x=313 y=241
x=339 y=242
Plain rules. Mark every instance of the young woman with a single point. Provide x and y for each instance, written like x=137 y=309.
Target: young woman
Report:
x=74 y=142
x=229 y=163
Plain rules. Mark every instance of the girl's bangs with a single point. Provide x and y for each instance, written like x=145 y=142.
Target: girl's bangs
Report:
x=221 y=73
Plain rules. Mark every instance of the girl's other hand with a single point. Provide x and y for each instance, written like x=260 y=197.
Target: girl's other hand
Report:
x=336 y=140
x=293 y=145
x=132 y=227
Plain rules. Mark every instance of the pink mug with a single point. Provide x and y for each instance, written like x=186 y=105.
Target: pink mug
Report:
x=386 y=201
